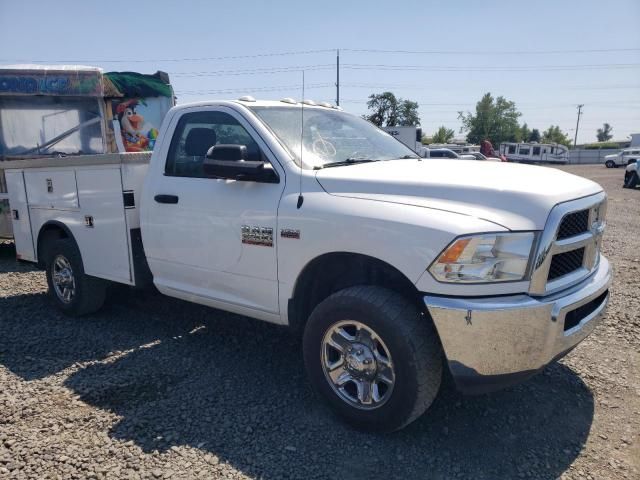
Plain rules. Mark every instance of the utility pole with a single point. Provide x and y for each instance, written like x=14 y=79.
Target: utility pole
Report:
x=338 y=77
x=575 y=139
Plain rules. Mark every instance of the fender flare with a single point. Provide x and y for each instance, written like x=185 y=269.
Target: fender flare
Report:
x=49 y=226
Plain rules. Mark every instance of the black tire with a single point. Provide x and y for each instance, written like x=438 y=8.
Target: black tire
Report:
x=412 y=342
x=88 y=292
x=631 y=179
x=609 y=164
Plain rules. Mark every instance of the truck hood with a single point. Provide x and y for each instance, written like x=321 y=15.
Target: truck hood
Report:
x=515 y=196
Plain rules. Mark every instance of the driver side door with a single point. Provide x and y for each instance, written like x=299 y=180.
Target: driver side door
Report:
x=213 y=240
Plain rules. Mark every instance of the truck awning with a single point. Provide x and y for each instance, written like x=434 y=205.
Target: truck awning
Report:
x=137 y=85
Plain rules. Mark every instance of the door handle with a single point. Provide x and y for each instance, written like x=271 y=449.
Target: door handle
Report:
x=162 y=198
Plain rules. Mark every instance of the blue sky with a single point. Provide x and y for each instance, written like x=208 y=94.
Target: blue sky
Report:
x=474 y=42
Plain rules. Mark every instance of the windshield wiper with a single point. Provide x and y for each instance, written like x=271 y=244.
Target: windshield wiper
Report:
x=346 y=161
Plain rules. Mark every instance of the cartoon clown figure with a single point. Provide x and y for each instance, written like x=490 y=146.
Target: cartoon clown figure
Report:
x=137 y=135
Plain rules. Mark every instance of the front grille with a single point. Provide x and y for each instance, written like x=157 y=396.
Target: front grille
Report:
x=565 y=263
x=568 y=248
x=574 y=224
x=574 y=317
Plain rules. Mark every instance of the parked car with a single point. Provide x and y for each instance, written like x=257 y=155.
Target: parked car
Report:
x=632 y=175
x=480 y=156
x=389 y=266
x=426 y=152
x=622 y=158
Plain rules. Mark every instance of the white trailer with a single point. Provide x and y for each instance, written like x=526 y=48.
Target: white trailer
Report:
x=411 y=136
x=534 y=152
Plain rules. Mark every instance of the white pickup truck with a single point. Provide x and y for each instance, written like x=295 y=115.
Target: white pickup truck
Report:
x=392 y=267
x=623 y=158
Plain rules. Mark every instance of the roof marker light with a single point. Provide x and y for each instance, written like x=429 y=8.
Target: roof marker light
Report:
x=247 y=98
x=289 y=100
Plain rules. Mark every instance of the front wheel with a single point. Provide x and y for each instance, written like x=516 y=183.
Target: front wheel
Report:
x=373 y=356
x=70 y=289
x=609 y=164
x=631 y=179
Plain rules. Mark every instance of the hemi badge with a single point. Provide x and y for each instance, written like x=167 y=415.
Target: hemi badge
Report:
x=289 y=233
x=254 y=235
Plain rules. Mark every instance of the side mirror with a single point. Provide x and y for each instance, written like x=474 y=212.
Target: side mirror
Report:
x=230 y=162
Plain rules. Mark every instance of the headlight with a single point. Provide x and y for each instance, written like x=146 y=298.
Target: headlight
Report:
x=491 y=257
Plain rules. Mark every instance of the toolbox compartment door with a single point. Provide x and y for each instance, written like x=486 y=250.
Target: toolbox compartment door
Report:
x=20 y=215
x=52 y=188
x=103 y=236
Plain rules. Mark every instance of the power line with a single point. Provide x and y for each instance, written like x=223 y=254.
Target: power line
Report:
x=254 y=71
x=327 y=50
x=489 y=52
x=274 y=88
x=200 y=59
x=431 y=87
x=451 y=68
x=524 y=105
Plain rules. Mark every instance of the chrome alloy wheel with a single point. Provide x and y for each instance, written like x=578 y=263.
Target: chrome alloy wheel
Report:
x=357 y=364
x=64 y=282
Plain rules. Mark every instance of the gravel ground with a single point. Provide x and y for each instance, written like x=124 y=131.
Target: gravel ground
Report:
x=152 y=387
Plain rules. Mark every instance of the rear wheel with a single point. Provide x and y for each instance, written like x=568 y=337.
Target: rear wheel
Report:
x=70 y=289
x=373 y=356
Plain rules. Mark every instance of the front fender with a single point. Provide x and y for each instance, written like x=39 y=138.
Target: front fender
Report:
x=406 y=237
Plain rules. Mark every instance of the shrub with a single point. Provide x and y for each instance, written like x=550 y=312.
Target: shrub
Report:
x=599 y=145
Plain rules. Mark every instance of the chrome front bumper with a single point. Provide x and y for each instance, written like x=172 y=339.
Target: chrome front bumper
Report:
x=494 y=342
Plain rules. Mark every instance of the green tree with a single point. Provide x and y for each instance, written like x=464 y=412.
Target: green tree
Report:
x=525 y=133
x=495 y=120
x=534 y=136
x=604 y=133
x=408 y=113
x=554 y=135
x=389 y=110
x=443 y=135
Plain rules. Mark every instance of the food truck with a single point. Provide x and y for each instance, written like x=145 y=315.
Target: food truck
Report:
x=64 y=110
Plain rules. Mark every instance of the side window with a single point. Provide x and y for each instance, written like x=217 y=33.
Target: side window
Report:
x=536 y=150
x=524 y=150
x=195 y=133
x=512 y=149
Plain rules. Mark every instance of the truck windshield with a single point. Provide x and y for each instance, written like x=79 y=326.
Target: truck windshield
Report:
x=330 y=136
